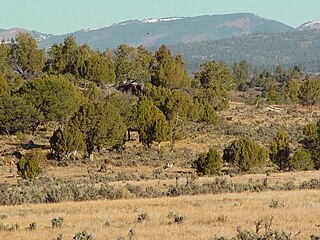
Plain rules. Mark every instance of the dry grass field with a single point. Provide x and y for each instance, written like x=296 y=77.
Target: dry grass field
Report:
x=205 y=216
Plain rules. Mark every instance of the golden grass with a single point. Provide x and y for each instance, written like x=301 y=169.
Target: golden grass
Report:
x=206 y=216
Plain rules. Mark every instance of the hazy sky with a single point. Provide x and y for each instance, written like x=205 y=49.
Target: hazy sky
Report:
x=63 y=16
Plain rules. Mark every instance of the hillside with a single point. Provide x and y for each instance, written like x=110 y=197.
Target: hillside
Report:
x=8 y=34
x=150 y=32
x=264 y=51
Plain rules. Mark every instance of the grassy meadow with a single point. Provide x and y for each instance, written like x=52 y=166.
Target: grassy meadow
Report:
x=206 y=216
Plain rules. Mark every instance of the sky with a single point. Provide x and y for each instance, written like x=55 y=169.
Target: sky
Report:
x=65 y=16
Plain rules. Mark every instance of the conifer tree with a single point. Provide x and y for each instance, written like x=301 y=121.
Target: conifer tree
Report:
x=151 y=123
x=280 y=150
x=55 y=97
x=94 y=125
x=310 y=92
x=209 y=163
x=25 y=58
x=292 y=91
x=169 y=71
x=245 y=154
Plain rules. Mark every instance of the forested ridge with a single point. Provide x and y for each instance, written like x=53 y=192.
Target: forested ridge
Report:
x=264 y=51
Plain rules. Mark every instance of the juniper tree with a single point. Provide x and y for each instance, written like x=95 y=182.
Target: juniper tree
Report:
x=55 y=97
x=25 y=57
x=209 y=163
x=151 y=123
x=244 y=153
x=292 y=91
x=310 y=93
x=280 y=150
x=301 y=160
x=17 y=114
x=94 y=125
x=169 y=71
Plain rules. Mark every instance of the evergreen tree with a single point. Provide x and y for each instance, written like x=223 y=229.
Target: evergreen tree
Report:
x=132 y=64
x=64 y=142
x=280 y=150
x=214 y=74
x=216 y=96
x=301 y=160
x=29 y=166
x=245 y=154
x=99 y=70
x=311 y=142
x=69 y=58
x=241 y=71
x=25 y=58
x=55 y=97
x=4 y=57
x=292 y=91
x=93 y=125
x=4 y=88
x=17 y=114
x=151 y=123
x=169 y=71
x=209 y=163
x=310 y=92
x=273 y=95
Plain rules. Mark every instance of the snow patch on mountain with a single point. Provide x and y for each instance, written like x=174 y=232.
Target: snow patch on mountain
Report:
x=312 y=25
x=155 y=20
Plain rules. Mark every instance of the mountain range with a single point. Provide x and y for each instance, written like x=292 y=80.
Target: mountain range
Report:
x=153 y=32
x=230 y=37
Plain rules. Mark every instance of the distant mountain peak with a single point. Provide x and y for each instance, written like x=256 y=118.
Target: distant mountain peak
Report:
x=311 y=25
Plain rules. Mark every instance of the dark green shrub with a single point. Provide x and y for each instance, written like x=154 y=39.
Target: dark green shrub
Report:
x=301 y=160
x=209 y=163
x=84 y=235
x=56 y=222
x=29 y=166
x=245 y=154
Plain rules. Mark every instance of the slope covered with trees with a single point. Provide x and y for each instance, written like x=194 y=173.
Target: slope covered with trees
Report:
x=91 y=99
x=264 y=51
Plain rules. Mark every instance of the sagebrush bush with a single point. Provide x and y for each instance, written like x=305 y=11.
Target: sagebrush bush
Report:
x=276 y=203
x=9 y=227
x=177 y=218
x=57 y=222
x=84 y=235
x=59 y=237
x=33 y=226
x=143 y=217
x=268 y=233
